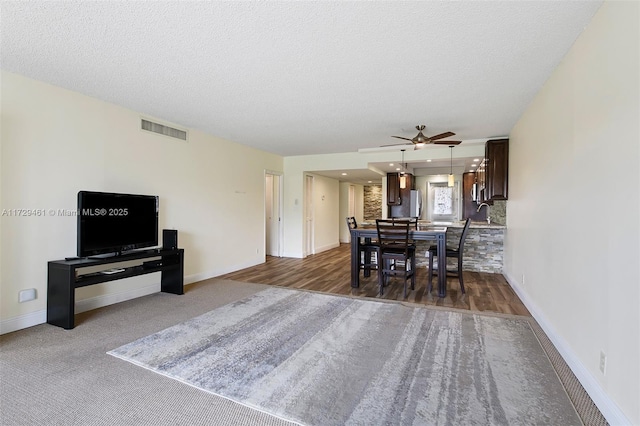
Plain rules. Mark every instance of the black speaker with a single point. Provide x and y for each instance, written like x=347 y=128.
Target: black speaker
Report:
x=169 y=239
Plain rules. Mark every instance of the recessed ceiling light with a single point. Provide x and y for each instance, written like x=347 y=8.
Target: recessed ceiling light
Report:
x=391 y=164
x=398 y=169
x=476 y=159
x=428 y=161
x=473 y=165
x=369 y=181
x=344 y=174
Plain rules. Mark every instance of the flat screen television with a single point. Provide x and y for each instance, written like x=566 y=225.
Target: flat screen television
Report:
x=114 y=223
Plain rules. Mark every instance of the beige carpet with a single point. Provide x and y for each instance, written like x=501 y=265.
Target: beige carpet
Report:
x=50 y=376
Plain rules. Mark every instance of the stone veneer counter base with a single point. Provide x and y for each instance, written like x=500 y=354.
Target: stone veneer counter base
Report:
x=483 y=248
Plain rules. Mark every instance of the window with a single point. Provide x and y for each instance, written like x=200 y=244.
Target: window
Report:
x=443 y=202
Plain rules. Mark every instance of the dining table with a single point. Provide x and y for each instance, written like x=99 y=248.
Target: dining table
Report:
x=423 y=232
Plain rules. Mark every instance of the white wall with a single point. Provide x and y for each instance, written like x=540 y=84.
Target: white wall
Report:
x=56 y=142
x=573 y=234
x=326 y=202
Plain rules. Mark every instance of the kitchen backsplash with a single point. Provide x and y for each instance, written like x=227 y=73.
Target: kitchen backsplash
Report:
x=498 y=212
x=372 y=202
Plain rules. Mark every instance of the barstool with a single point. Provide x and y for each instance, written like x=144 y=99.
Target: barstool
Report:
x=368 y=251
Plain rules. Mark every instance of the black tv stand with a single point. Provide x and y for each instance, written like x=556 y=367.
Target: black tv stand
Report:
x=63 y=278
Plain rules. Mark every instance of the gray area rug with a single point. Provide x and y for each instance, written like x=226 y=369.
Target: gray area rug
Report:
x=320 y=359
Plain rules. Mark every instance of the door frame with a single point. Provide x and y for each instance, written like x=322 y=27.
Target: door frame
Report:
x=309 y=226
x=277 y=206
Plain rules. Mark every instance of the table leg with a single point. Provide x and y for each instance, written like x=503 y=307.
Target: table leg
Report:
x=367 y=259
x=355 y=260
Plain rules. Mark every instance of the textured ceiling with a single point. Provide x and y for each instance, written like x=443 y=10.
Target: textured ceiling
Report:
x=297 y=78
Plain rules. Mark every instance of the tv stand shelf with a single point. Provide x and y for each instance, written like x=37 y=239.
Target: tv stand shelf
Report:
x=63 y=279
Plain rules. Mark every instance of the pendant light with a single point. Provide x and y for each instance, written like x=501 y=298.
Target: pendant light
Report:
x=450 y=182
x=403 y=178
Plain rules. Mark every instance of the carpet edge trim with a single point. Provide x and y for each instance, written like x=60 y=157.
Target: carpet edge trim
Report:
x=607 y=412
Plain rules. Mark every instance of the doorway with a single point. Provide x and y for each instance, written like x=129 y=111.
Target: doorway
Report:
x=273 y=213
x=308 y=216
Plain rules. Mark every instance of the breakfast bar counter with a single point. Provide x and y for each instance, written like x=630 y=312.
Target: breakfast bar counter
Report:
x=483 y=249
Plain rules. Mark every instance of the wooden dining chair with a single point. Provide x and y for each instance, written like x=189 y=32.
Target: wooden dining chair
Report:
x=396 y=254
x=368 y=256
x=455 y=253
x=413 y=221
x=413 y=224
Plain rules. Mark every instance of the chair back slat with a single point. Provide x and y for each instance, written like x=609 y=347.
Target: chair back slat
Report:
x=413 y=221
x=393 y=233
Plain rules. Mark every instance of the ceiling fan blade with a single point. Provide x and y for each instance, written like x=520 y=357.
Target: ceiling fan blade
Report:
x=441 y=136
x=447 y=142
x=400 y=137
x=396 y=144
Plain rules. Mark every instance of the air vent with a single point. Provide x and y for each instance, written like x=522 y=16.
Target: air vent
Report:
x=163 y=130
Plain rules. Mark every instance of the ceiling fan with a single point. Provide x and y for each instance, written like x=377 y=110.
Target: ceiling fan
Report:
x=420 y=139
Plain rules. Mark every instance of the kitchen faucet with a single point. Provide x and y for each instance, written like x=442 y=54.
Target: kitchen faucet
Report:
x=478 y=211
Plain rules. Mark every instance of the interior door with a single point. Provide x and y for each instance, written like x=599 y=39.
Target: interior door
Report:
x=308 y=212
x=273 y=217
x=352 y=201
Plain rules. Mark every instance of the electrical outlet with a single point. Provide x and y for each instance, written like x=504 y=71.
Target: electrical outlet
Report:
x=603 y=363
x=26 y=295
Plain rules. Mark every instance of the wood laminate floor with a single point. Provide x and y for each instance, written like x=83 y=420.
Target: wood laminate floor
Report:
x=329 y=272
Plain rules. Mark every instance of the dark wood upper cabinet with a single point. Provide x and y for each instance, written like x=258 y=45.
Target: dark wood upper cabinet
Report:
x=398 y=199
x=393 y=189
x=496 y=170
x=469 y=205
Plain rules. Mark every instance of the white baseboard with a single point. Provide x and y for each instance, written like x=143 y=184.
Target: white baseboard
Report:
x=326 y=247
x=113 y=298
x=190 y=279
x=23 y=321
x=295 y=255
x=316 y=250
x=607 y=407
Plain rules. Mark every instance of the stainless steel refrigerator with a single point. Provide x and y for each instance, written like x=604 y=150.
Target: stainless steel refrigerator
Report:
x=415 y=203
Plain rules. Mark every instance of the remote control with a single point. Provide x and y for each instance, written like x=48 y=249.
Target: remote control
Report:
x=113 y=271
